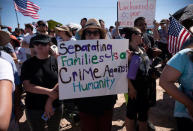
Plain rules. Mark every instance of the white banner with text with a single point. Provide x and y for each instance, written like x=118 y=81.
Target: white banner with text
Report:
x=88 y=68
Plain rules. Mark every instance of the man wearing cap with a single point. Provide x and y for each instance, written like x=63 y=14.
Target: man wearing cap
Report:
x=39 y=75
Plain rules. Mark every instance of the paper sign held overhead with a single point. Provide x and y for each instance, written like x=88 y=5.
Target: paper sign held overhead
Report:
x=129 y=10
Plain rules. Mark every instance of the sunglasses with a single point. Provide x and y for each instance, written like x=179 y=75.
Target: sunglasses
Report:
x=142 y=24
x=42 y=25
x=43 y=44
x=139 y=34
x=95 y=33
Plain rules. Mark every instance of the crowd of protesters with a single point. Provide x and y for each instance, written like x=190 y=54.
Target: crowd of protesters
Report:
x=28 y=63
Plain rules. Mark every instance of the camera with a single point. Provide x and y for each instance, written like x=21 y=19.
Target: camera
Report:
x=153 y=71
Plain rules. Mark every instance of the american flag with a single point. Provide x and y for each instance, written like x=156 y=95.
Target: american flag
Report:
x=177 y=36
x=27 y=8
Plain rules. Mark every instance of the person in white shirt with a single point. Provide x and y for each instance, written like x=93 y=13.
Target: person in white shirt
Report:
x=6 y=89
x=27 y=38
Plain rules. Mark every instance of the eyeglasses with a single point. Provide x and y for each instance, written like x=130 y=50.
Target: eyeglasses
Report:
x=95 y=33
x=43 y=44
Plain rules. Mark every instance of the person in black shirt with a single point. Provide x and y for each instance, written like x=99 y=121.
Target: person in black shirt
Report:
x=39 y=75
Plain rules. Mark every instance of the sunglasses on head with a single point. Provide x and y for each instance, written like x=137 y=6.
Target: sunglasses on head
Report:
x=43 y=44
x=95 y=33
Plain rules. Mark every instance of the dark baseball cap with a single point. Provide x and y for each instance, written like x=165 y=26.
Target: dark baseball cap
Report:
x=40 y=38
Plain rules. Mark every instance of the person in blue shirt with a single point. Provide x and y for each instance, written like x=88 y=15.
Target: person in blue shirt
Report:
x=180 y=68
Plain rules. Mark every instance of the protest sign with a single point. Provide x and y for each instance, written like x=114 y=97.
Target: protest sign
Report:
x=89 y=68
x=129 y=10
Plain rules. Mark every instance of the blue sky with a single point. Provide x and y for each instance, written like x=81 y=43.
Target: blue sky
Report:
x=66 y=11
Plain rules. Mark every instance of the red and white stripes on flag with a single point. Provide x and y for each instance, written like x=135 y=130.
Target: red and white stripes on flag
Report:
x=177 y=36
x=27 y=8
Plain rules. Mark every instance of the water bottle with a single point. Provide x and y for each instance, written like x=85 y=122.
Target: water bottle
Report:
x=44 y=117
x=133 y=67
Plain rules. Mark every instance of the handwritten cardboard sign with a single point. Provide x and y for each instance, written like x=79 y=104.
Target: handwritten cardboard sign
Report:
x=129 y=10
x=89 y=68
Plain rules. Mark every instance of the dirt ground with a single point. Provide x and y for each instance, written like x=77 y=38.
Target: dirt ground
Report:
x=161 y=115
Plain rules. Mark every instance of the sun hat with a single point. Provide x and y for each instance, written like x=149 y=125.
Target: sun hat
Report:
x=63 y=28
x=93 y=24
x=4 y=38
x=40 y=38
x=163 y=21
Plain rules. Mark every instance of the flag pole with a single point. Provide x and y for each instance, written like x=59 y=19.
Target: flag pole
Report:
x=17 y=18
x=16 y=15
x=117 y=11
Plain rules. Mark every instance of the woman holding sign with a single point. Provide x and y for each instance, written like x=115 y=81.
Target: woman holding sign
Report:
x=95 y=112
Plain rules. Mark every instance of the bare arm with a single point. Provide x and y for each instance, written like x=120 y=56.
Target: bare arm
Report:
x=155 y=31
x=132 y=92
x=117 y=28
x=169 y=76
x=167 y=24
x=5 y=103
x=14 y=56
x=38 y=89
x=49 y=103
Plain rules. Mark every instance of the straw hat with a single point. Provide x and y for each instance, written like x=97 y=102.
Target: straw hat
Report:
x=93 y=24
x=63 y=28
x=4 y=38
x=163 y=21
